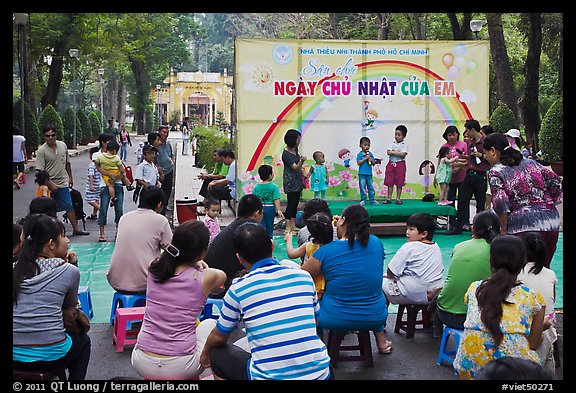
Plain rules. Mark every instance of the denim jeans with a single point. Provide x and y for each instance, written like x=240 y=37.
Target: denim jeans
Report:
x=268 y=219
x=366 y=183
x=105 y=202
x=124 y=151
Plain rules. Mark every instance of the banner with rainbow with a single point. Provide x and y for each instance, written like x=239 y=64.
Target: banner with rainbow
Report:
x=336 y=91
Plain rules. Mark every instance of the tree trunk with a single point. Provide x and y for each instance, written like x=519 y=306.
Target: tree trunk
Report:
x=122 y=107
x=60 y=51
x=460 y=32
x=383 y=25
x=561 y=66
x=505 y=83
x=142 y=94
x=529 y=101
x=332 y=26
x=113 y=100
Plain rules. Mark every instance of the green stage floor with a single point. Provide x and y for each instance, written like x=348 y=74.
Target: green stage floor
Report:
x=94 y=260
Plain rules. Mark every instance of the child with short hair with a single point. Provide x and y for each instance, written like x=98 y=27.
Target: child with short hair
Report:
x=321 y=233
x=444 y=174
x=212 y=210
x=269 y=193
x=395 y=173
x=110 y=162
x=318 y=176
x=365 y=160
x=146 y=173
x=42 y=178
x=414 y=275
x=93 y=178
x=138 y=152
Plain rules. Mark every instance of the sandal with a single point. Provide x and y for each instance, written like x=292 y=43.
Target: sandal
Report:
x=16 y=184
x=92 y=216
x=398 y=202
x=130 y=188
x=386 y=350
x=102 y=240
x=387 y=201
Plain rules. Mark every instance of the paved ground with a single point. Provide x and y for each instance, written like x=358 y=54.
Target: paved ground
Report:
x=411 y=359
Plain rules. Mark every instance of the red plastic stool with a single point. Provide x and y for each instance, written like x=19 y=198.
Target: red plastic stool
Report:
x=409 y=325
x=123 y=316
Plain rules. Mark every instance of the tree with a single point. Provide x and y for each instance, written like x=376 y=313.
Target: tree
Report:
x=529 y=101
x=51 y=116
x=68 y=121
x=95 y=125
x=86 y=128
x=552 y=133
x=503 y=119
x=501 y=63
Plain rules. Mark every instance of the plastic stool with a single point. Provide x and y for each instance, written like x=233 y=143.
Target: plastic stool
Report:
x=123 y=300
x=409 y=325
x=208 y=310
x=444 y=354
x=335 y=346
x=46 y=375
x=86 y=301
x=121 y=332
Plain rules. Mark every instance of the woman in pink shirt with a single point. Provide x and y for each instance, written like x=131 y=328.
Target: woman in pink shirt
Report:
x=457 y=148
x=169 y=343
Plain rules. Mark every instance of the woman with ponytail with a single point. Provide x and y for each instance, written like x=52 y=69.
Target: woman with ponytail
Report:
x=179 y=281
x=44 y=281
x=524 y=193
x=470 y=262
x=505 y=317
x=353 y=267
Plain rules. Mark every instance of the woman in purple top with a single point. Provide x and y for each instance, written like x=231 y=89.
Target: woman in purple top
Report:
x=524 y=193
x=169 y=344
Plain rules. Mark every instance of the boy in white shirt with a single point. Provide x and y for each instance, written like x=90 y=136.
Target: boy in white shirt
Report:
x=146 y=173
x=414 y=275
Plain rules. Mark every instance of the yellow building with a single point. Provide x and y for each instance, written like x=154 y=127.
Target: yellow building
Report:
x=199 y=95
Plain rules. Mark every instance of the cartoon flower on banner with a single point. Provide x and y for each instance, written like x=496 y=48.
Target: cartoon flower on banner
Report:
x=278 y=162
x=330 y=166
x=345 y=175
x=248 y=187
x=353 y=183
x=246 y=176
x=334 y=181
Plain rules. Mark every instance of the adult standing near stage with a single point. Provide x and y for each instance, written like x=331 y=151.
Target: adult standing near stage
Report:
x=475 y=181
x=457 y=148
x=53 y=157
x=165 y=164
x=524 y=193
x=292 y=177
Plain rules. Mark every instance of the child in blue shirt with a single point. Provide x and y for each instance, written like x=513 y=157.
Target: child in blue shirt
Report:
x=318 y=176
x=365 y=161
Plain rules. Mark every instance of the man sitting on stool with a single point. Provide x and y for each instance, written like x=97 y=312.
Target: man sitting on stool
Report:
x=225 y=189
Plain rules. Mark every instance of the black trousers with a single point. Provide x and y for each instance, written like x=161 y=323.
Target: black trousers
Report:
x=204 y=189
x=474 y=184
x=220 y=193
x=167 y=188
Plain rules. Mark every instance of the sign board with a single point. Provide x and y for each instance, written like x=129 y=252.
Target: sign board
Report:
x=336 y=91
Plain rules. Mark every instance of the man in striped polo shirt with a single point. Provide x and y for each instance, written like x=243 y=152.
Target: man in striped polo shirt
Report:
x=278 y=306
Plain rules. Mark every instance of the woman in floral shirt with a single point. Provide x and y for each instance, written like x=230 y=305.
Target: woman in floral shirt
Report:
x=504 y=318
x=524 y=193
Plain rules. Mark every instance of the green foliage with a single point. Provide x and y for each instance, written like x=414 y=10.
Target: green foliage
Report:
x=86 y=126
x=552 y=132
x=174 y=118
x=30 y=132
x=503 y=119
x=95 y=130
x=68 y=121
x=51 y=116
x=210 y=139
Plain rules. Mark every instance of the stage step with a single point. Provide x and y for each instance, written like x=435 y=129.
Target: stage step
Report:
x=388 y=228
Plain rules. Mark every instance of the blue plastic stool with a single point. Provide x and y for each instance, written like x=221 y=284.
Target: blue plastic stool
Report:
x=86 y=301
x=208 y=311
x=123 y=300
x=444 y=354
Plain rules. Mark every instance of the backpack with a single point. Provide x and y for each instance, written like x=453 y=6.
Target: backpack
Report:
x=78 y=205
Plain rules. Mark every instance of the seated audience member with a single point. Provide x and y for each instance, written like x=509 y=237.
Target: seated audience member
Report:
x=16 y=241
x=352 y=267
x=221 y=251
x=505 y=317
x=279 y=319
x=141 y=236
x=511 y=368
x=44 y=282
x=219 y=172
x=470 y=262
x=312 y=207
x=169 y=343
x=537 y=276
x=224 y=189
x=414 y=275
x=46 y=205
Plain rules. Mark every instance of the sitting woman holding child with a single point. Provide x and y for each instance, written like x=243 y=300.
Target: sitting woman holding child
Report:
x=353 y=268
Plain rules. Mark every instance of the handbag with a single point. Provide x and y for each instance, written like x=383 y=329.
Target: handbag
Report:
x=75 y=320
